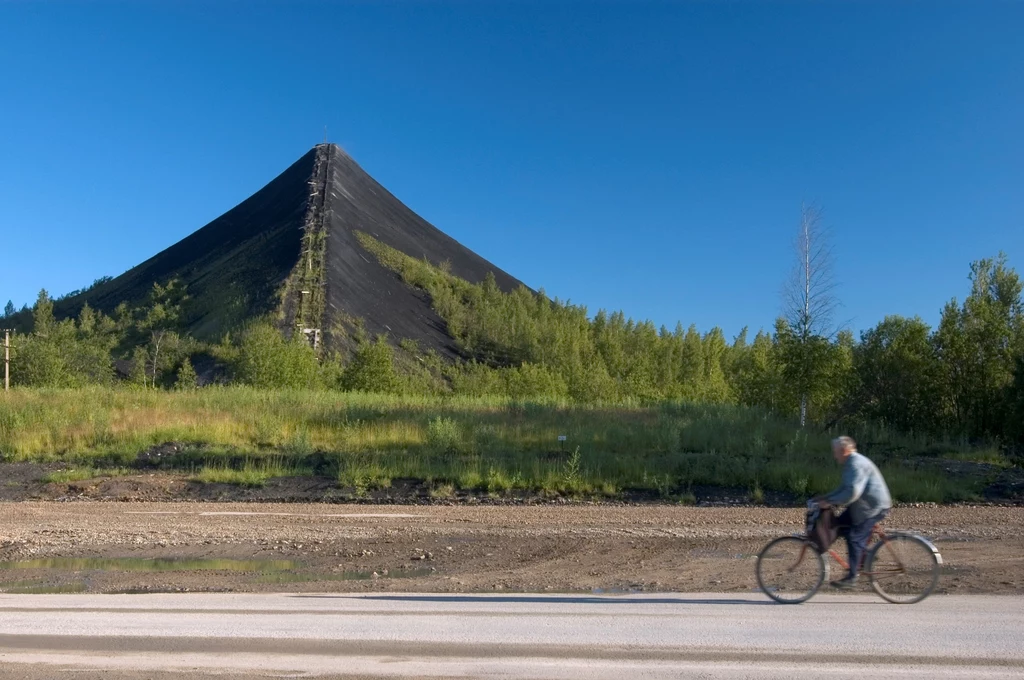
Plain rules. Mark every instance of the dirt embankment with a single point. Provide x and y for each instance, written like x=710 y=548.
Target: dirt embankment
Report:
x=28 y=482
x=152 y=483
x=118 y=547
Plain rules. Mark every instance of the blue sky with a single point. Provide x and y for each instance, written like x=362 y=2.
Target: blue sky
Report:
x=645 y=157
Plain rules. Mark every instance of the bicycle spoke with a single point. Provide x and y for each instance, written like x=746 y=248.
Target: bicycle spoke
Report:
x=903 y=569
x=789 y=570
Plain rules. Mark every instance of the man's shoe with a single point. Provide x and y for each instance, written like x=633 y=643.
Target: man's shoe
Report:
x=844 y=584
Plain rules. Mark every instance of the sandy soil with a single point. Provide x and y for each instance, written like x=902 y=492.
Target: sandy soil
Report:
x=454 y=548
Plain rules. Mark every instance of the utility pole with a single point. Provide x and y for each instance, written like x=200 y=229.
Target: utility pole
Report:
x=7 y=359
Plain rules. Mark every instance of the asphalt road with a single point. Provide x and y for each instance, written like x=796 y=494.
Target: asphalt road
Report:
x=506 y=636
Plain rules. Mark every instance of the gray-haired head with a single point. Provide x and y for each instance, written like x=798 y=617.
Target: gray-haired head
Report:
x=843 y=447
x=845 y=442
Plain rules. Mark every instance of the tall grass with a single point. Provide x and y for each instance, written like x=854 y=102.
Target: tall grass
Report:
x=252 y=473
x=496 y=445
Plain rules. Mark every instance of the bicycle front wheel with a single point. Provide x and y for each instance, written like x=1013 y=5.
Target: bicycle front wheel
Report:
x=790 y=570
x=904 y=569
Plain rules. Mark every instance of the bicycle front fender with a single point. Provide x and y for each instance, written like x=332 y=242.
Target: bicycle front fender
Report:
x=919 y=537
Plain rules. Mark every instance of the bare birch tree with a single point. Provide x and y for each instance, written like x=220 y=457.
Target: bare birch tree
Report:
x=810 y=302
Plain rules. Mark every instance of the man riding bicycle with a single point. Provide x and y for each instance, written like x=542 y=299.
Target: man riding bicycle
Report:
x=864 y=492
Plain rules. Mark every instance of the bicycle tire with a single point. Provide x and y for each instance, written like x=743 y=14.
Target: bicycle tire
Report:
x=777 y=566
x=904 y=568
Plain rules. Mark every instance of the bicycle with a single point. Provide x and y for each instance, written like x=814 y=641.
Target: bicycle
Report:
x=903 y=568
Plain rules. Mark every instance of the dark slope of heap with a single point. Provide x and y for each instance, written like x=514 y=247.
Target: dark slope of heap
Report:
x=233 y=267
x=359 y=287
x=236 y=267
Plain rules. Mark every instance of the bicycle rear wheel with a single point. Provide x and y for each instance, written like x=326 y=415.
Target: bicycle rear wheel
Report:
x=904 y=569
x=790 y=570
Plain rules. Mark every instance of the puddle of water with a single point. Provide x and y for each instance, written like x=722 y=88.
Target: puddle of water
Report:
x=42 y=589
x=268 y=571
x=150 y=565
x=298 y=577
x=294 y=577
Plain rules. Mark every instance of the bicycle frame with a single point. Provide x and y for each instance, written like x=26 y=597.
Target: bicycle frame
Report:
x=879 y=536
x=876 y=532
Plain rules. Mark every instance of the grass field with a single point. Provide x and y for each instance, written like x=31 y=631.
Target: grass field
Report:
x=245 y=436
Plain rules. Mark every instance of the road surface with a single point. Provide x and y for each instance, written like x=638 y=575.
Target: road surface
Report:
x=565 y=637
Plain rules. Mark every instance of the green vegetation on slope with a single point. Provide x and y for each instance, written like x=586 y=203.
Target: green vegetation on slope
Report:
x=964 y=379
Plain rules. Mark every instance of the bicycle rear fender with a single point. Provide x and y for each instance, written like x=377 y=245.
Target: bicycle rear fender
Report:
x=931 y=546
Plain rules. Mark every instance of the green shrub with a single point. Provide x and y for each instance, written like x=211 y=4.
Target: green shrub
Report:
x=444 y=435
x=187 y=378
x=474 y=379
x=372 y=369
x=267 y=360
x=530 y=380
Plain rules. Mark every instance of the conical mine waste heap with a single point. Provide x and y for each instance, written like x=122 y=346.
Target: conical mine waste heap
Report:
x=290 y=251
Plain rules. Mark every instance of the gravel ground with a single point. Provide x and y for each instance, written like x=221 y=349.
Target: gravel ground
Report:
x=564 y=548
